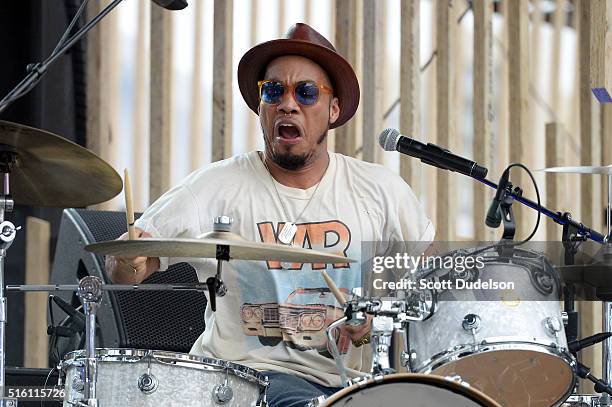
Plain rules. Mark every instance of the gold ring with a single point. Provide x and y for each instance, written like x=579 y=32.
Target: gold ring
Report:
x=362 y=341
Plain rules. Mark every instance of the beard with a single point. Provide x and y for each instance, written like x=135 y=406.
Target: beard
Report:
x=290 y=161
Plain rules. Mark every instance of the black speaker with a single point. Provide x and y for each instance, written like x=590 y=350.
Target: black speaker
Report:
x=162 y=320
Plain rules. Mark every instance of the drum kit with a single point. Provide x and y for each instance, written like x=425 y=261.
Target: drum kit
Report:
x=427 y=348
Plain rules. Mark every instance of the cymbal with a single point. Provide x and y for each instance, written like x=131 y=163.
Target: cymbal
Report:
x=205 y=246
x=606 y=170
x=52 y=171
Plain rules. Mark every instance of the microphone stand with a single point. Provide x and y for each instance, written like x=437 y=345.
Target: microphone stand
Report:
x=561 y=218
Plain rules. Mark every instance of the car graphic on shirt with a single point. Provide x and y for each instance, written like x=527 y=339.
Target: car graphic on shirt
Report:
x=301 y=321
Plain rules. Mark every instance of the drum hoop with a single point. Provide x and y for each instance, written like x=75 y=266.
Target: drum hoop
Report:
x=492 y=345
x=167 y=358
x=449 y=384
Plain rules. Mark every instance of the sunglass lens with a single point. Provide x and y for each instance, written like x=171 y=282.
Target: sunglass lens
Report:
x=307 y=93
x=272 y=92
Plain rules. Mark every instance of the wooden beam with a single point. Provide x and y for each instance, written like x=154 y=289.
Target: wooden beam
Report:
x=282 y=21
x=222 y=78
x=410 y=88
x=591 y=36
x=252 y=117
x=502 y=141
x=103 y=49
x=555 y=183
x=196 y=140
x=484 y=137
x=519 y=118
x=308 y=11
x=430 y=173
x=37 y=268
x=346 y=44
x=445 y=228
x=373 y=67
x=555 y=85
x=140 y=124
x=161 y=110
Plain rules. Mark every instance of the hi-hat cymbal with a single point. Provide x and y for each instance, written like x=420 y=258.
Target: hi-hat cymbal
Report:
x=52 y=171
x=606 y=170
x=205 y=246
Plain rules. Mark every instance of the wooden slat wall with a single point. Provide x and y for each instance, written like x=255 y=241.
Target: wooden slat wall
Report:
x=591 y=34
x=141 y=125
x=346 y=44
x=446 y=27
x=222 y=78
x=37 y=269
x=483 y=110
x=519 y=129
x=555 y=186
x=410 y=88
x=555 y=61
x=371 y=82
x=254 y=128
x=161 y=110
x=103 y=88
x=196 y=140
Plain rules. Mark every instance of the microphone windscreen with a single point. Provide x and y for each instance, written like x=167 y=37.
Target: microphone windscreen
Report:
x=388 y=139
x=171 y=4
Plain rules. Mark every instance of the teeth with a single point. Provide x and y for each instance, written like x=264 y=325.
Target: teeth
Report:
x=286 y=125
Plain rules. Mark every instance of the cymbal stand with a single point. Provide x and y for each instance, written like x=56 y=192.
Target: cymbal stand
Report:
x=607 y=306
x=7 y=236
x=90 y=293
x=89 y=290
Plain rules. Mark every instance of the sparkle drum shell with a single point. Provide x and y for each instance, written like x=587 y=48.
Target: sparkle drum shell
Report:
x=509 y=344
x=144 y=378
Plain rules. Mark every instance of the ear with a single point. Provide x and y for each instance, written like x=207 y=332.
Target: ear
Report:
x=334 y=110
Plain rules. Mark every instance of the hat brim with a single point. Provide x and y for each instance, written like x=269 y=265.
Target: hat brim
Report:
x=253 y=64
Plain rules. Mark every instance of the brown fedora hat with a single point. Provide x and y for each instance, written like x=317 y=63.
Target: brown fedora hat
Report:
x=302 y=40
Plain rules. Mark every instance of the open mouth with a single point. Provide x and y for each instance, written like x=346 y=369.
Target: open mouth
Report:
x=288 y=131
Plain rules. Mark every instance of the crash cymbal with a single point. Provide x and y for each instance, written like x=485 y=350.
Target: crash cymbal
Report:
x=580 y=170
x=49 y=170
x=205 y=246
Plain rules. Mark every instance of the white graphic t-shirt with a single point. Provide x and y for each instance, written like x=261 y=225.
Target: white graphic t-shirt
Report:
x=274 y=315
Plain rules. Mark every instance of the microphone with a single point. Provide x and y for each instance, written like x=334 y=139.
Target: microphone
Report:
x=580 y=344
x=392 y=140
x=77 y=317
x=493 y=219
x=171 y=4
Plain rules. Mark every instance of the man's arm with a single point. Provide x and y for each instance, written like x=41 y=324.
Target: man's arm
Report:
x=131 y=270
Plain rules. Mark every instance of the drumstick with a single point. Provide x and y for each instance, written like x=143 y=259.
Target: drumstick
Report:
x=129 y=209
x=333 y=288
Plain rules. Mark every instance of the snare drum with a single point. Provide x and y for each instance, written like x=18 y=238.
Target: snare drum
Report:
x=134 y=377
x=510 y=344
x=408 y=389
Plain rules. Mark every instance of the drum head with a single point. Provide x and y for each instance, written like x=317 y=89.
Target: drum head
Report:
x=508 y=376
x=411 y=390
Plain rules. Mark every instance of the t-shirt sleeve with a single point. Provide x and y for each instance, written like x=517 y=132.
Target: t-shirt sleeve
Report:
x=174 y=214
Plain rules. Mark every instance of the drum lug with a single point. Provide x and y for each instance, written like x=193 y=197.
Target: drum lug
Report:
x=471 y=323
x=147 y=383
x=78 y=384
x=222 y=394
x=553 y=326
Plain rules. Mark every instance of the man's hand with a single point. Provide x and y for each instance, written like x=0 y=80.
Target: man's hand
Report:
x=131 y=270
x=358 y=332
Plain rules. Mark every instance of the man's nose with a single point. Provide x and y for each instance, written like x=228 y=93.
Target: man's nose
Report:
x=288 y=104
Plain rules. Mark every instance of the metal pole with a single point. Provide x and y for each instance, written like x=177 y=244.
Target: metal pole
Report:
x=607 y=344
x=90 y=293
x=607 y=306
